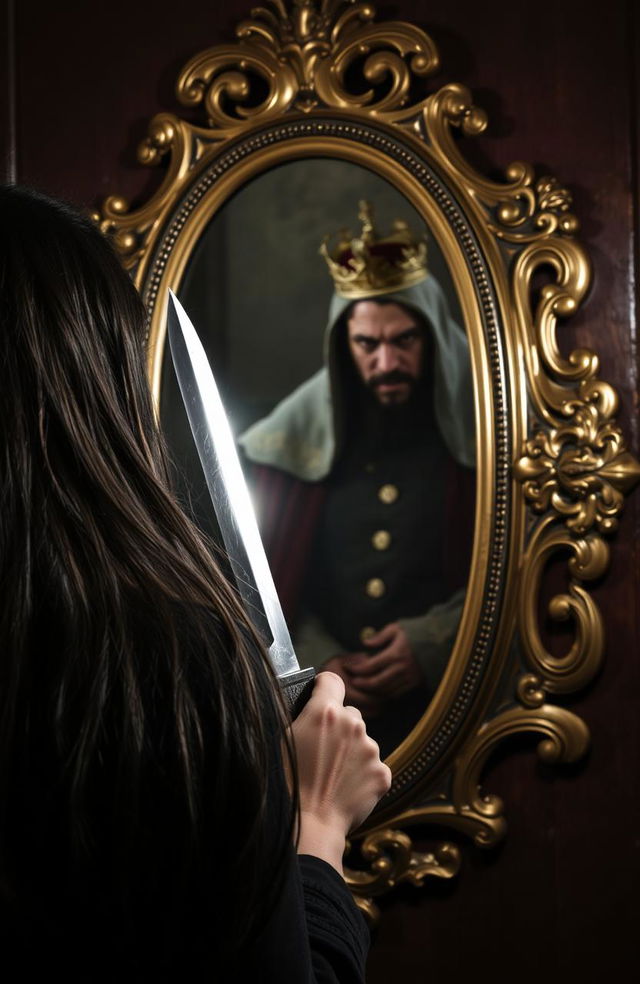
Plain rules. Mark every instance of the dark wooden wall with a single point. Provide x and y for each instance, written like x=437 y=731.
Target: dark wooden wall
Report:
x=560 y=899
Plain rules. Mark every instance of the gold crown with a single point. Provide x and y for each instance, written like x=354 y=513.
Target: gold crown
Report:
x=366 y=266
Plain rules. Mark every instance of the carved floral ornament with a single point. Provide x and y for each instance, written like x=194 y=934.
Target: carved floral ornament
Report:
x=325 y=79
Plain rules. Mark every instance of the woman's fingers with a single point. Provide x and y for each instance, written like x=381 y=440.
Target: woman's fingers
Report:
x=329 y=686
x=341 y=777
x=354 y=712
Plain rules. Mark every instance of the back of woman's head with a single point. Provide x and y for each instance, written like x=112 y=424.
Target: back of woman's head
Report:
x=124 y=660
x=72 y=321
x=78 y=446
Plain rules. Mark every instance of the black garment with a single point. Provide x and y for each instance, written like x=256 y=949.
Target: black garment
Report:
x=398 y=449
x=338 y=937
x=316 y=933
x=167 y=917
x=315 y=936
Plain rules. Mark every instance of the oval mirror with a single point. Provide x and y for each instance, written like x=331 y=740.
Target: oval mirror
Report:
x=261 y=294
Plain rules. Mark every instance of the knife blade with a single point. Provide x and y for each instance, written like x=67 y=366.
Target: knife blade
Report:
x=232 y=503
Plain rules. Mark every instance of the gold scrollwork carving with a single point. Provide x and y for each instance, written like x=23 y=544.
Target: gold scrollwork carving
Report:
x=295 y=64
x=564 y=739
x=589 y=560
x=303 y=55
x=580 y=469
x=524 y=210
x=392 y=861
x=132 y=232
x=576 y=469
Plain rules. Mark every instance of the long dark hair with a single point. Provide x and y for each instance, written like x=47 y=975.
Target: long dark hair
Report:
x=124 y=654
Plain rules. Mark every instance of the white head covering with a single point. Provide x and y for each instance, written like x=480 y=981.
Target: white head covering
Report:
x=299 y=435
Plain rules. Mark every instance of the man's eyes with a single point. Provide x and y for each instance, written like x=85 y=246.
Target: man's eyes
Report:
x=406 y=341
x=368 y=344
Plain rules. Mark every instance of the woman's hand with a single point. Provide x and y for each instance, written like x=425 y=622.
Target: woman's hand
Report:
x=341 y=777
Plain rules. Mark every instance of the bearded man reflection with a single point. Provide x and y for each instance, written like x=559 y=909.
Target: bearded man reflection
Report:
x=363 y=477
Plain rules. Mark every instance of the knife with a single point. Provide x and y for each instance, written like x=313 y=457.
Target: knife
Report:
x=232 y=504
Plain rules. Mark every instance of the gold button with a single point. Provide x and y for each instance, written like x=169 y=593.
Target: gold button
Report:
x=388 y=494
x=366 y=633
x=381 y=539
x=375 y=587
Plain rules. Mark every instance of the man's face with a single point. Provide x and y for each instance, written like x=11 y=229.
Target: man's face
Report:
x=386 y=343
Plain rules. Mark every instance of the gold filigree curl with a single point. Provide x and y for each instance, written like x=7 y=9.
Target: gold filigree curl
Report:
x=565 y=738
x=302 y=58
x=392 y=860
x=131 y=232
x=470 y=809
x=575 y=469
x=581 y=469
x=525 y=210
x=550 y=374
x=530 y=691
x=452 y=108
x=412 y=53
x=546 y=212
x=589 y=559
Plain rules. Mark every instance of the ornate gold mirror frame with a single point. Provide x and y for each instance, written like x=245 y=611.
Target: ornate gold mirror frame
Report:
x=323 y=79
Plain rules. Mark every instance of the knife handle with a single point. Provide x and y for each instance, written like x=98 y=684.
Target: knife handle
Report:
x=297 y=688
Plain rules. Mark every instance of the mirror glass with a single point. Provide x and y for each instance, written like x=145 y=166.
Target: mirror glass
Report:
x=363 y=473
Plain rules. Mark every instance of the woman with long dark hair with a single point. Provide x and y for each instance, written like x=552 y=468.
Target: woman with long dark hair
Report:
x=146 y=828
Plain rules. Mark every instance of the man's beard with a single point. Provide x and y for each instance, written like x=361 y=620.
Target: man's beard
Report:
x=391 y=379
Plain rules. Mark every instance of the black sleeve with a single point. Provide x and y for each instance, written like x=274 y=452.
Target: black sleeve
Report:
x=338 y=936
x=315 y=934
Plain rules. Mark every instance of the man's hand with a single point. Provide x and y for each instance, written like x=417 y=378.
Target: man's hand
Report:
x=390 y=672
x=368 y=704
